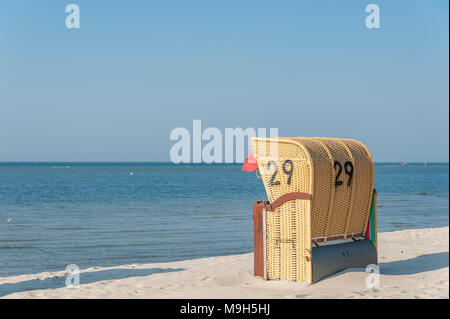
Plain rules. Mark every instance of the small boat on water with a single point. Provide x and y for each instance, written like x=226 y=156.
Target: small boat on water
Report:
x=404 y=163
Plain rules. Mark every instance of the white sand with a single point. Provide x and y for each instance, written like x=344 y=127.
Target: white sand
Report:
x=413 y=264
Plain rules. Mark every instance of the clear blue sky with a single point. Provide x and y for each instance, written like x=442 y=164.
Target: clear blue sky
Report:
x=115 y=88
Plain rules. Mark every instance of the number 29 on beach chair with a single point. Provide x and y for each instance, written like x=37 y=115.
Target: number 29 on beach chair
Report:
x=320 y=216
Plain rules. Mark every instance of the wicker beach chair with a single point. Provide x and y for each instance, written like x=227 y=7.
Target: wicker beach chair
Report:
x=320 y=216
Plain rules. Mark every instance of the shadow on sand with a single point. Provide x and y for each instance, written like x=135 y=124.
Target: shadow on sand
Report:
x=85 y=278
x=428 y=262
x=416 y=265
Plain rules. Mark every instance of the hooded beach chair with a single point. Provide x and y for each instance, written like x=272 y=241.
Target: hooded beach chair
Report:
x=320 y=216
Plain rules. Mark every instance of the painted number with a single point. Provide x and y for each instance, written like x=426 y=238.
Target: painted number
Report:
x=288 y=169
x=272 y=179
x=348 y=169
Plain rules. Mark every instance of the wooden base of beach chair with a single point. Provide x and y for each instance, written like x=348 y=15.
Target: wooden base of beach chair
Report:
x=329 y=255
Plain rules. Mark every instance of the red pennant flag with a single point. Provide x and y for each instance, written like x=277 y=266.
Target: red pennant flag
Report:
x=250 y=164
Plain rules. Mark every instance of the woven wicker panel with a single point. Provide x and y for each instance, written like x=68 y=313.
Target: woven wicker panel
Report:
x=364 y=182
x=347 y=205
x=285 y=149
x=342 y=199
x=288 y=242
x=288 y=228
x=302 y=240
x=323 y=185
x=272 y=253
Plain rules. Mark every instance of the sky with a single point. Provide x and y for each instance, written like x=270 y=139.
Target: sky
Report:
x=115 y=88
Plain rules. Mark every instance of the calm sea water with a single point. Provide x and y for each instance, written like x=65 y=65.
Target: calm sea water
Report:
x=53 y=214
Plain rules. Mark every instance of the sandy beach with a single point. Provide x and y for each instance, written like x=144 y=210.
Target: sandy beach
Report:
x=413 y=264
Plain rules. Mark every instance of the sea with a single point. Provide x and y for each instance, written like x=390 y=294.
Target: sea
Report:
x=108 y=214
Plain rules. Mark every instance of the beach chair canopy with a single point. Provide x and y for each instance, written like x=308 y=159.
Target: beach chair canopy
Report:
x=338 y=173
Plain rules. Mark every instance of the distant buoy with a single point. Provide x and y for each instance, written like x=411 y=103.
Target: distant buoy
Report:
x=131 y=173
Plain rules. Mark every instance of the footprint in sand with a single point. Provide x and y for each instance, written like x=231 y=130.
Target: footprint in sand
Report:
x=207 y=278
